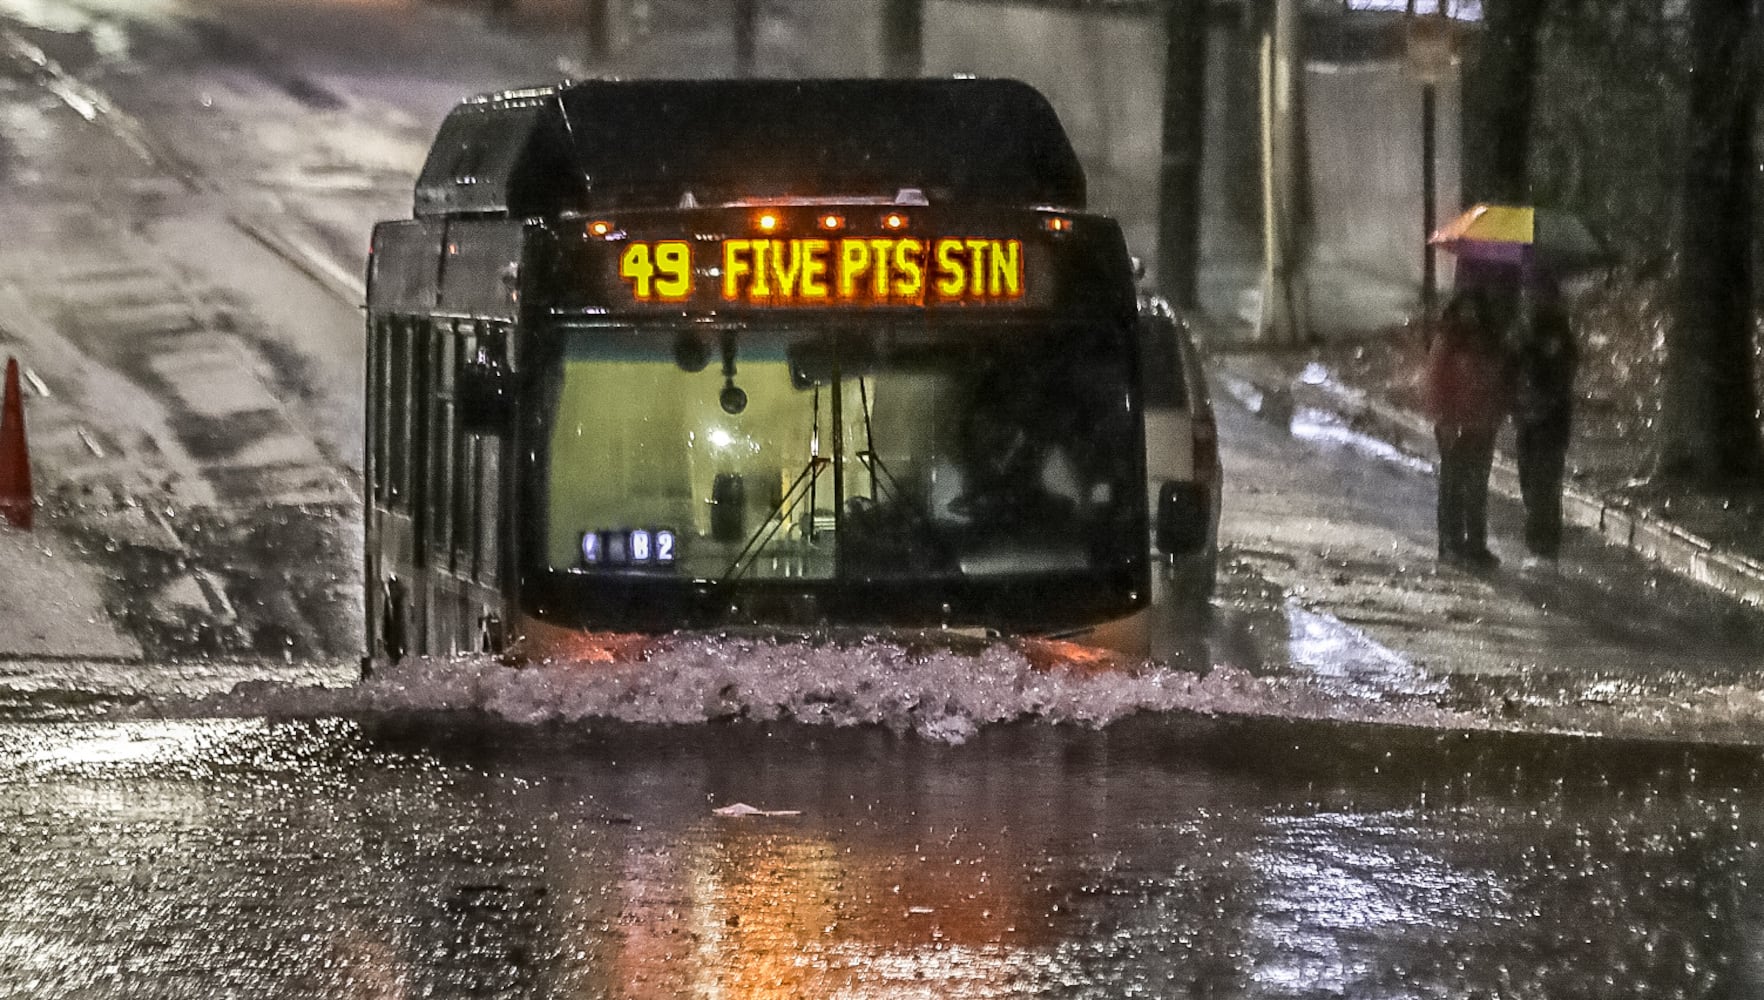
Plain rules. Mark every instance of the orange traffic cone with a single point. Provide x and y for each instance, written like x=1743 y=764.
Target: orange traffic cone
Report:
x=15 y=460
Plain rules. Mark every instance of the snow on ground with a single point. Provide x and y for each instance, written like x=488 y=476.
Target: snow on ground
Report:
x=940 y=694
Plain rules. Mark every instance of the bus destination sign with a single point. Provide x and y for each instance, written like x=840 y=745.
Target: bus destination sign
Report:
x=826 y=272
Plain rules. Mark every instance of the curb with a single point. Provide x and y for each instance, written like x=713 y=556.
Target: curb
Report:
x=350 y=289
x=98 y=107
x=1272 y=395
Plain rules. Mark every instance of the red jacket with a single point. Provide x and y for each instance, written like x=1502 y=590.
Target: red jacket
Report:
x=1467 y=383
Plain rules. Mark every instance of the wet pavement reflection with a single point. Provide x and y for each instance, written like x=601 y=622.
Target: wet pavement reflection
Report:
x=1189 y=834
x=1161 y=856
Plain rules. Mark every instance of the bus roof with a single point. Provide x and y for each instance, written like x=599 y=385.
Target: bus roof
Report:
x=651 y=143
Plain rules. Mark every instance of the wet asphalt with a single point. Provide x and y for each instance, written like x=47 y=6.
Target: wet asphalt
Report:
x=1161 y=857
x=399 y=852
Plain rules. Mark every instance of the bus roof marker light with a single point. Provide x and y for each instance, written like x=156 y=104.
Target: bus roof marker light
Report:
x=767 y=222
x=830 y=221
x=894 y=220
x=600 y=228
x=1057 y=224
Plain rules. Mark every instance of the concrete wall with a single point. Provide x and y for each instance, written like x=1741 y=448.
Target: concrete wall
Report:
x=1102 y=71
x=1369 y=118
x=1364 y=125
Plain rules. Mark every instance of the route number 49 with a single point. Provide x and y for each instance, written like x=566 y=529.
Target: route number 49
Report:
x=659 y=273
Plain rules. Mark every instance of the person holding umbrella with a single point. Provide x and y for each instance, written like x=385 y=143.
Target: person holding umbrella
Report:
x=1467 y=390
x=1544 y=360
x=1520 y=250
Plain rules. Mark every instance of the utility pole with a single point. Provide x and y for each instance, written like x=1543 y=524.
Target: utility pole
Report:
x=1285 y=313
x=746 y=36
x=903 y=38
x=1186 y=37
x=1429 y=197
x=596 y=32
x=1432 y=49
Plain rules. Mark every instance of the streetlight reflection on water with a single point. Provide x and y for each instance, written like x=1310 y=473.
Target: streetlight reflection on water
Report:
x=1153 y=858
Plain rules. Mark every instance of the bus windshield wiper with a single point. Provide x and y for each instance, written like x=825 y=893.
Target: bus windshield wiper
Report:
x=800 y=489
x=889 y=524
x=894 y=497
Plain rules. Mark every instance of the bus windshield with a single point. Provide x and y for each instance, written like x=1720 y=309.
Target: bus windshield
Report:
x=859 y=448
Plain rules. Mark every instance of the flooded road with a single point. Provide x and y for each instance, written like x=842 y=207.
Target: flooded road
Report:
x=1361 y=775
x=1162 y=856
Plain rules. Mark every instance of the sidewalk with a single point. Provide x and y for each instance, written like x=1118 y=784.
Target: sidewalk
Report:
x=1368 y=384
x=54 y=601
x=61 y=598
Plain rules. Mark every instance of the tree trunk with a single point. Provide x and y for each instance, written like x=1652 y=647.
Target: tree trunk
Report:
x=1499 y=81
x=1185 y=118
x=1709 y=413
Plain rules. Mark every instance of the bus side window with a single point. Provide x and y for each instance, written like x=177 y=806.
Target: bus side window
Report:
x=481 y=390
x=464 y=490
x=422 y=408
x=379 y=345
x=440 y=451
x=489 y=507
x=492 y=352
x=476 y=466
x=397 y=423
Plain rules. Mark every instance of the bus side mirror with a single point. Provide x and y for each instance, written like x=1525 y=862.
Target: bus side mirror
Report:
x=484 y=398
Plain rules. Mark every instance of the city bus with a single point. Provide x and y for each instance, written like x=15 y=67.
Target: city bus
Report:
x=654 y=356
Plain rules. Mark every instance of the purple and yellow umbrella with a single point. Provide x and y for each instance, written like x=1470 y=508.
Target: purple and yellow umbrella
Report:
x=1522 y=236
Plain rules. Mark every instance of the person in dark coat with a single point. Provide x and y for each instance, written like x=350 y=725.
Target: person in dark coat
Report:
x=1545 y=358
x=1467 y=391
